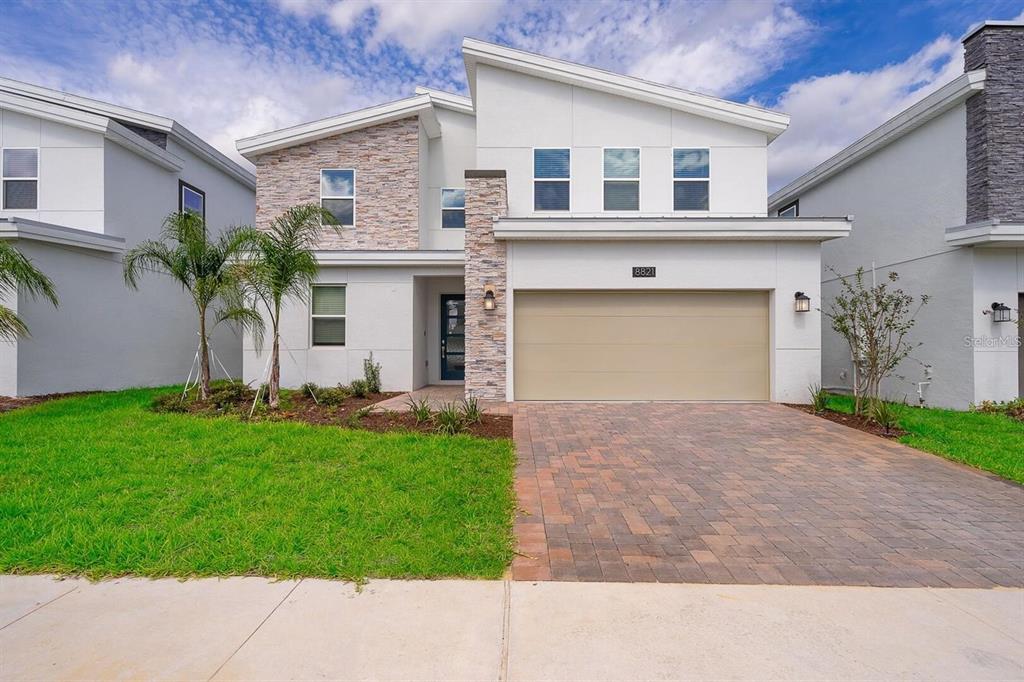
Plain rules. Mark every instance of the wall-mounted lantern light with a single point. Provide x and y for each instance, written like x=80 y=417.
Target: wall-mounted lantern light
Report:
x=1000 y=312
x=801 y=302
x=489 y=301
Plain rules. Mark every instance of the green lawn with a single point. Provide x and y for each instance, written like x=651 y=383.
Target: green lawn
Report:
x=99 y=485
x=992 y=442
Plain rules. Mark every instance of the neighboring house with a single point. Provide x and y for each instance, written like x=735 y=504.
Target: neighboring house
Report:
x=564 y=234
x=938 y=196
x=82 y=182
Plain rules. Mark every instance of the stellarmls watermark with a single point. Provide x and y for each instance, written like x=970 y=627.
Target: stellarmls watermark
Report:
x=992 y=342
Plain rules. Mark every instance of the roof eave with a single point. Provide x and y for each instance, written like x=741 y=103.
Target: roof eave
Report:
x=474 y=52
x=672 y=229
x=932 y=106
x=419 y=105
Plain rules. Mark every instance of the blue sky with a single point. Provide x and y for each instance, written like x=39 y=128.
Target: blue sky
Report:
x=232 y=69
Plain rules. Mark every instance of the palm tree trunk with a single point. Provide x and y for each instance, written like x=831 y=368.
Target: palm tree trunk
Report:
x=204 y=358
x=275 y=364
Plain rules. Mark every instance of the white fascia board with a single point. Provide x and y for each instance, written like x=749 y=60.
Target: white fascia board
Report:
x=705 y=229
x=33 y=230
x=120 y=135
x=994 y=233
x=474 y=52
x=989 y=22
x=205 y=151
x=53 y=112
x=448 y=100
x=935 y=104
x=418 y=105
x=440 y=258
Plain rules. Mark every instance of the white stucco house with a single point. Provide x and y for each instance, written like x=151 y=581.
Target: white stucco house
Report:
x=564 y=233
x=83 y=181
x=938 y=196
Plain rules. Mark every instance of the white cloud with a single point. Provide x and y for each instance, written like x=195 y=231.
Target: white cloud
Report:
x=417 y=25
x=830 y=112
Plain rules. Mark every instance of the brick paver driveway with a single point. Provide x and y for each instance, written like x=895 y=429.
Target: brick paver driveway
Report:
x=750 y=494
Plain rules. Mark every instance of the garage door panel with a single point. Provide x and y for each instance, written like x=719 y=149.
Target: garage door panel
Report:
x=599 y=358
x=601 y=345
x=640 y=330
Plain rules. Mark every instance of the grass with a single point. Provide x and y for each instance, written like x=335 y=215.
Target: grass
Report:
x=100 y=486
x=993 y=442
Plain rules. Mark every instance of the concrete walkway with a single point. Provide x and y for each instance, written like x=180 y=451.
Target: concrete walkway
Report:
x=490 y=630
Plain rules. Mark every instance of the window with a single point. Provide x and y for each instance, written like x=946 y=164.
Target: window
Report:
x=621 y=179
x=328 y=315
x=790 y=210
x=20 y=175
x=690 y=179
x=338 y=195
x=550 y=179
x=453 y=207
x=191 y=199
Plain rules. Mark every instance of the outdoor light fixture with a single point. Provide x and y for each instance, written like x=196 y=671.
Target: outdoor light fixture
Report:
x=1000 y=312
x=489 y=302
x=802 y=302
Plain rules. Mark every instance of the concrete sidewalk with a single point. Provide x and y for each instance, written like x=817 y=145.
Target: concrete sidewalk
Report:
x=253 y=628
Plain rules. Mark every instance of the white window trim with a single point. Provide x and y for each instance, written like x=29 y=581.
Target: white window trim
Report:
x=313 y=316
x=672 y=187
x=320 y=182
x=4 y=178
x=463 y=209
x=795 y=205
x=533 y=186
x=637 y=180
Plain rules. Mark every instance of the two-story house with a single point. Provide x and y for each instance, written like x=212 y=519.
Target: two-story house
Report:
x=564 y=233
x=938 y=195
x=82 y=181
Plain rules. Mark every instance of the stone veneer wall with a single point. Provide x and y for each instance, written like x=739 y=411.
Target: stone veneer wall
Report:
x=486 y=338
x=386 y=160
x=995 y=125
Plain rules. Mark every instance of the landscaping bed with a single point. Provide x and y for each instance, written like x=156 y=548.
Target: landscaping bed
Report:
x=323 y=406
x=102 y=486
x=853 y=421
x=7 y=403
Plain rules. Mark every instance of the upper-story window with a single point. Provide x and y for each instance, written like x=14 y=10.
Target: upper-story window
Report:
x=453 y=207
x=790 y=210
x=20 y=175
x=191 y=199
x=621 y=169
x=690 y=179
x=551 y=179
x=338 y=195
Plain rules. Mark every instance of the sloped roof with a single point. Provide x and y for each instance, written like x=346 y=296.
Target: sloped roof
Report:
x=477 y=52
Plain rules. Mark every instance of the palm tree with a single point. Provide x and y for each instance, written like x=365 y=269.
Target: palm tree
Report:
x=18 y=274
x=283 y=266
x=207 y=270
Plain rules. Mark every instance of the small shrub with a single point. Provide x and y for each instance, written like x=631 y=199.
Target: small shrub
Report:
x=371 y=374
x=449 y=420
x=359 y=388
x=332 y=397
x=169 y=402
x=229 y=394
x=471 y=410
x=357 y=416
x=819 y=397
x=419 y=408
x=885 y=414
x=264 y=391
x=311 y=389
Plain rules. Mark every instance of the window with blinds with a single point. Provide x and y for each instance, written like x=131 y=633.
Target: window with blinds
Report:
x=621 y=170
x=19 y=174
x=690 y=179
x=328 y=315
x=551 y=179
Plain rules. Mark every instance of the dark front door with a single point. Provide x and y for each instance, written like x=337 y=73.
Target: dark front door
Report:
x=453 y=336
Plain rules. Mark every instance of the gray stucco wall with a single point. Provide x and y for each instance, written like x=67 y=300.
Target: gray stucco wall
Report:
x=902 y=198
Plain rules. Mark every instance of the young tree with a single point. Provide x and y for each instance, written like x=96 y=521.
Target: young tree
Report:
x=283 y=266
x=875 y=321
x=207 y=270
x=18 y=274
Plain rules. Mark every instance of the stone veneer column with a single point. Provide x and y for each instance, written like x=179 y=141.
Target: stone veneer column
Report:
x=486 y=199
x=995 y=125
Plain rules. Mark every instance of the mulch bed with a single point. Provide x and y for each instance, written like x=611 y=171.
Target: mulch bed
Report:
x=853 y=421
x=7 y=403
x=300 y=407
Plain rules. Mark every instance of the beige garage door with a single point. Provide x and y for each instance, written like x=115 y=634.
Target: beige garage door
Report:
x=641 y=345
